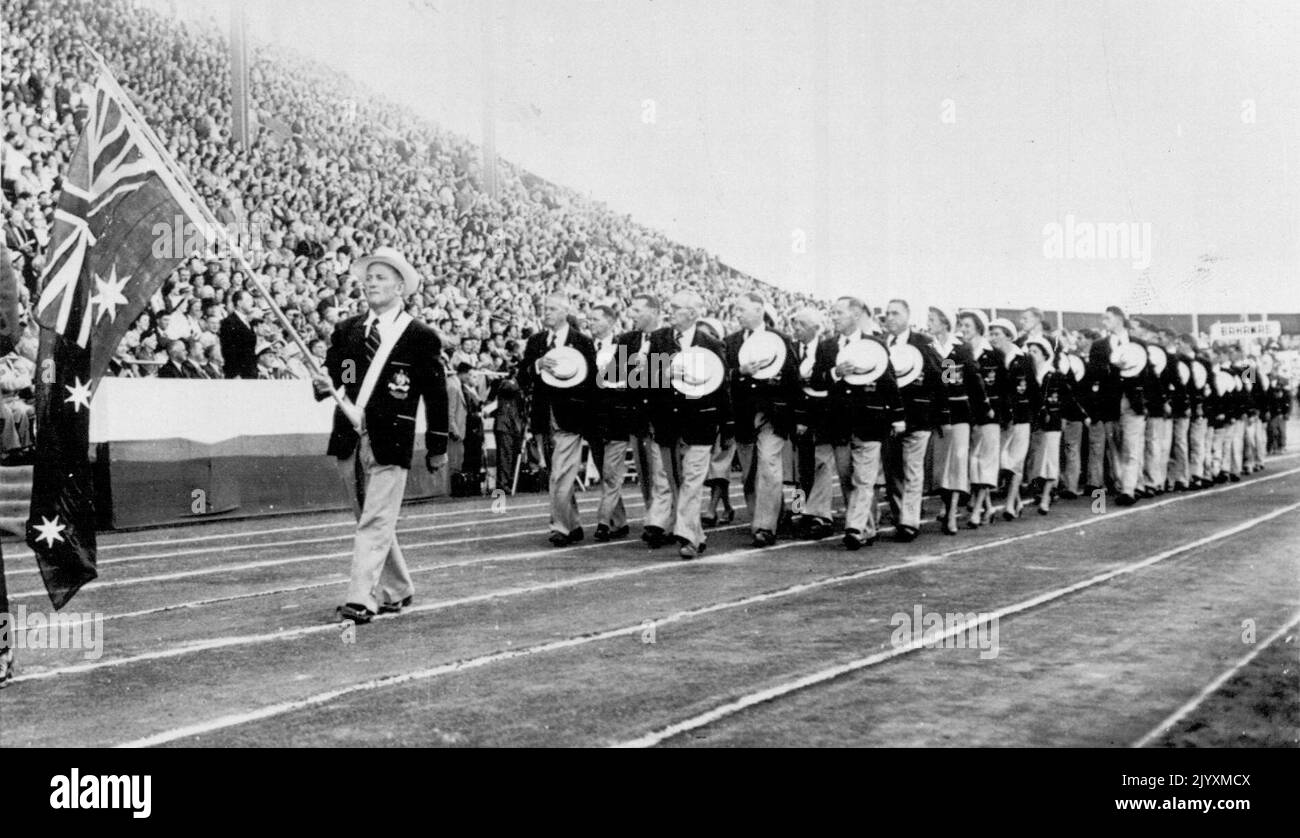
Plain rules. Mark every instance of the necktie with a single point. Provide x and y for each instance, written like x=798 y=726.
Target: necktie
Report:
x=677 y=336
x=372 y=341
x=551 y=343
x=893 y=340
x=803 y=351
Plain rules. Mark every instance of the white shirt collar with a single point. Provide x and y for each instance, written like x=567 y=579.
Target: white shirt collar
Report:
x=945 y=348
x=386 y=320
x=560 y=335
x=856 y=334
x=904 y=337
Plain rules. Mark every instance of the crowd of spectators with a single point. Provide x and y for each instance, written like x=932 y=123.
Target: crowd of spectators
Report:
x=333 y=172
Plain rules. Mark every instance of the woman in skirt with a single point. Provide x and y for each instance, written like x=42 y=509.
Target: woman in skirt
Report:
x=1019 y=398
x=986 y=436
x=1053 y=397
x=964 y=389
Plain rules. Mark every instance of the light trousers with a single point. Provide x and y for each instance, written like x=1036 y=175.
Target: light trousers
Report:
x=379 y=573
x=905 y=476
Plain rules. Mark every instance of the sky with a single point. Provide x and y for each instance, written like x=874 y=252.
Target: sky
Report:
x=948 y=152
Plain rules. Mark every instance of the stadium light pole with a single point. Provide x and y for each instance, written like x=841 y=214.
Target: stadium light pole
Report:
x=238 y=73
x=488 y=59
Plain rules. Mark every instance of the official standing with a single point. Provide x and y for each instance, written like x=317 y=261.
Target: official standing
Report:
x=386 y=363
x=763 y=394
x=925 y=410
x=561 y=400
x=684 y=426
x=238 y=340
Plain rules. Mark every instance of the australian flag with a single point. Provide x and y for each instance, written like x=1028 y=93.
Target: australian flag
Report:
x=107 y=257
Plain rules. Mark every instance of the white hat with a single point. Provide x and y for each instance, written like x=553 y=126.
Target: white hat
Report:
x=696 y=372
x=907 y=362
x=1158 y=358
x=570 y=369
x=1131 y=359
x=979 y=317
x=1007 y=326
x=767 y=350
x=1043 y=344
x=395 y=260
x=870 y=355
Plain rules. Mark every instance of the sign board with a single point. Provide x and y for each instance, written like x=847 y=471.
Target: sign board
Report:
x=1245 y=331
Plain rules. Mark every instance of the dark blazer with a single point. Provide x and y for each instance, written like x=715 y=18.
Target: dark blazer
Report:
x=572 y=405
x=623 y=412
x=813 y=411
x=1109 y=387
x=924 y=400
x=865 y=411
x=1053 y=400
x=993 y=372
x=1021 y=390
x=237 y=347
x=775 y=397
x=1174 y=390
x=675 y=417
x=963 y=384
x=412 y=372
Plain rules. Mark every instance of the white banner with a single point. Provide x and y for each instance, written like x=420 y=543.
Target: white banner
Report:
x=1245 y=331
x=138 y=409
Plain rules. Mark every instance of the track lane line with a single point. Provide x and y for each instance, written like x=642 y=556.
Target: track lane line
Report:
x=1183 y=711
x=829 y=674
x=215 y=643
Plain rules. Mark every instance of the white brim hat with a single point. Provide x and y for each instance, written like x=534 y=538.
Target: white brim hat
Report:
x=391 y=257
x=978 y=316
x=696 y=372
x=866 y=354
x=908 y=363
x=765 y=349
x=1042 y=343
x=570 y=369
x=1005 y=325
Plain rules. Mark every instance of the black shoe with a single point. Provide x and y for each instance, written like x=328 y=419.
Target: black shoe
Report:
x=1068 y=495
x=819 y=530
x=652 y=535
x=395 y=607
x=575 y=535
x=1235 y=478
x=1221 y=477
x=1180 y=487
x=621 y=532
x=1125 y=500
x=358 y=614
x=602 y=533
x=853 y=540
x=558 y=539
x=708 y=521
x=1043 y=510
x=688 y=550
x=726 y=517
x=904 y=533
x=764 y=538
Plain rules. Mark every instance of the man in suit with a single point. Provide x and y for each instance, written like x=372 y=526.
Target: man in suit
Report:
x=1121 y=409
x=684 y=428
x=814 y=443
x=560 y=414
x=386 y=363
x=763 y=411
x=238 y=340
x=177 y=361
x=862 y=418
x=925 y=409
x=621 y=411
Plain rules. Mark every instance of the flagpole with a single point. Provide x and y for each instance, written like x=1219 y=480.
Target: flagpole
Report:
x=183 y=182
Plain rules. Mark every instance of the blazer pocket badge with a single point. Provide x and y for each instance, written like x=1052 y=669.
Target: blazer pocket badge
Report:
x=399 y=386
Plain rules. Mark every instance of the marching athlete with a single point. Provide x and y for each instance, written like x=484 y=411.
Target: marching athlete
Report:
x=966 y=404
x=924 y=403
x=986 y=430
x=1019 y=396
x=386 y=362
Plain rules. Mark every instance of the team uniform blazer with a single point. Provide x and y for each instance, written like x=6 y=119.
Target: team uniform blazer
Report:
x=993 y=372
x=817 y=412
x=963 y=383
x=774 y=397
x=1020 y=393
x=1176 y=393
x=1053 y=401
x=924 y=400
x=623 y=411
x=412 y=372
x=865 y=411
x=572 y=405
x=1204 y=404
x=1154 y=395
x=1108 y=386
x=675 y=417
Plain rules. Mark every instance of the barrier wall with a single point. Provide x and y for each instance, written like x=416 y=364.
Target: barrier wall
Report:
x=169 y=451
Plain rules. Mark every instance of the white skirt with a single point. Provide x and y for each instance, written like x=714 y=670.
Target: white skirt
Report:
x=1044 y=456
x=952 y=458
x=986 y=451
x=720 y=459
x=1015 y=445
